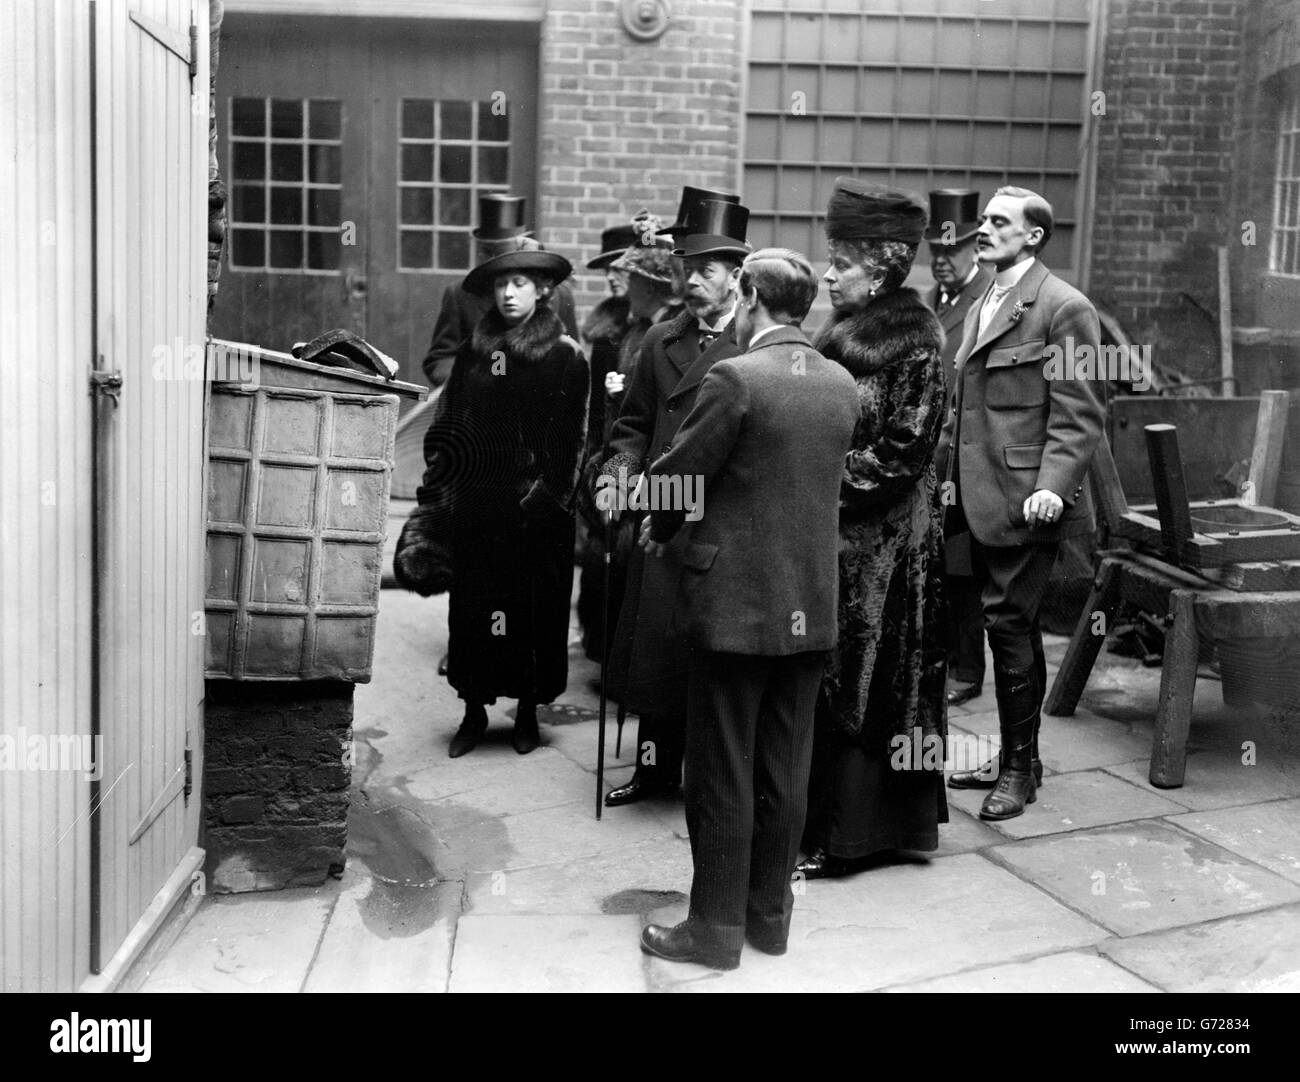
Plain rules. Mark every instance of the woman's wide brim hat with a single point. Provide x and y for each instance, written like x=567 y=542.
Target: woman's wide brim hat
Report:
x=653 y=261
x=862 y=211
x=613 y=243
x=482 y=278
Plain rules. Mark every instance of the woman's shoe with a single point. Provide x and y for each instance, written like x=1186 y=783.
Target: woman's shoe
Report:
x=471 y=731
x=526 y=738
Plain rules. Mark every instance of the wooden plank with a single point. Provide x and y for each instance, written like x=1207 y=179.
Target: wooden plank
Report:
x=1229 y=386
x=1177 y=687
x=1085 y=643
x=1274 y=575
x=1171 y=489
x=1266 y=455
x=1109 y=488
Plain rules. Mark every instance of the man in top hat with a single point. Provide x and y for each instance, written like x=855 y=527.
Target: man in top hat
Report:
x=1019 y=440
x=649 y=661
x=960 y=281
x=767 y=438
x=501 y=229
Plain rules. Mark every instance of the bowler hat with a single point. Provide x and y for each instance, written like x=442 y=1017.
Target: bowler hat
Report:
x=613 y=242
x=715 y=228
x=954 y=216
x=860 y=211
x=691 y=197
x=548 y=264
x=500 y=216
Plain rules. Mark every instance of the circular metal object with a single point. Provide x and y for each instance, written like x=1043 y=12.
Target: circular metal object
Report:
x=645 y=20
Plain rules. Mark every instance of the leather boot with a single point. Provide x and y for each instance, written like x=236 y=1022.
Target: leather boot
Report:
x=526 y=736
x=1019 y=700
x=471 y=731
x=986 y=776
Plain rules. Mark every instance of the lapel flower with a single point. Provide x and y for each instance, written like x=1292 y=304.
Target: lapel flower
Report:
x=1019 y=310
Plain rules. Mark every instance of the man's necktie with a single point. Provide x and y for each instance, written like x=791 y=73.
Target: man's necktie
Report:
x=991 y=305
x=946 y=298
x=707 y=338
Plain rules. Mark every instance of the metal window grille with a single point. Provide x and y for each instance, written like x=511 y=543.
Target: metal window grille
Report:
x=918 y=95
x=1284 y=255
x=286 y=185
x=449 y=152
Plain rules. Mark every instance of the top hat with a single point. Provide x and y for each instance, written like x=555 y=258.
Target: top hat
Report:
x=500 y=216
x=690 y=198
x=861 y=211
x=715 y=228
x=613 y=242
x=482 y=278
x=954 y=216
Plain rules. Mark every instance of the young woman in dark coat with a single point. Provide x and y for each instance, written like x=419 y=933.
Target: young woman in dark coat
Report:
x=495 y=513
x=885 y=679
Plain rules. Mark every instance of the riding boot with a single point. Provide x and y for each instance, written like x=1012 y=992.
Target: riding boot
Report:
x=1019 y=699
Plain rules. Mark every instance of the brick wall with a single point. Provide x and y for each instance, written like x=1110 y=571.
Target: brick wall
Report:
x=1165 y=172
x=624 y=124
x=276 y=776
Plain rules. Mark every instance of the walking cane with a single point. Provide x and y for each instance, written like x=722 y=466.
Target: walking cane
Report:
x=604 y=672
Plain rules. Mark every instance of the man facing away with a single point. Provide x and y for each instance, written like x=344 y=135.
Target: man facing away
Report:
x=765 y=442
x=1018 y=443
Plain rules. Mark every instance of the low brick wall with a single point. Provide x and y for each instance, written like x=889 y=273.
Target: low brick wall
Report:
x=277 y=770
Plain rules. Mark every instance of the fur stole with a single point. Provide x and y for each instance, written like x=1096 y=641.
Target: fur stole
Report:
x=529 y=341
x=890 y=329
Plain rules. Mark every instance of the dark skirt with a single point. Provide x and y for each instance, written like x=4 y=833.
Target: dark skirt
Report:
x=858 y=804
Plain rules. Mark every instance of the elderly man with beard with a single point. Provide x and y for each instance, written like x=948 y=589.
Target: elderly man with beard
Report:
x=649 y=662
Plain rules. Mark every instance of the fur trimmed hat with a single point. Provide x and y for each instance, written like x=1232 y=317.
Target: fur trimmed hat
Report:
x=858 y=211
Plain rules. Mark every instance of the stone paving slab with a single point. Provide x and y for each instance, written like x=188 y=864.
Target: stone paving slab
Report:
x=871 y=930
x=382 y=937
x=634 y=879
x=1071 y=971
x=247 y=943
x=559 y=835
x=1074 y=801
x=1268 y=834
x=963 y=833
x=498 y=785
x=502 y=953
x=1140 y=877
x=1255 y=953
x=1219 y=780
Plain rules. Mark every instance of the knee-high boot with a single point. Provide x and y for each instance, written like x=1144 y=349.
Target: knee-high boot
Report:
x=1019 y=698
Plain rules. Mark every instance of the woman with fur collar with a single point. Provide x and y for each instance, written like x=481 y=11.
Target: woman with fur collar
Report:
x=884 y=682
x=495 y=512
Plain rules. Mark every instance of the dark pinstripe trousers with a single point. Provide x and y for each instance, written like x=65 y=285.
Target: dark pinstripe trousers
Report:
x=749 y=733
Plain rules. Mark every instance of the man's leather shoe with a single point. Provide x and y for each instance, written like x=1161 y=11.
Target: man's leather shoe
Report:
x=680 y=944
x=986 y=777
x=962 y=693
x=821 y=865
x=765 y=944
x=639 y=788
x=470 y=732
x=1014 y=790
x=442 y=665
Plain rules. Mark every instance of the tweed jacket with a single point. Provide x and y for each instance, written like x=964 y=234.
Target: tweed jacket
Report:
x=1012 y=430
x=767 y=440
x=953 y=316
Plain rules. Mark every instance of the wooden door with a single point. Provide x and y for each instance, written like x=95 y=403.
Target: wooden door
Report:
x=151 y=193
x=430 y=114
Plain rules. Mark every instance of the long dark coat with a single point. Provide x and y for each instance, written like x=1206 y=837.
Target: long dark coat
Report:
x=887 y=673
x=648 y=659
x=504 y=455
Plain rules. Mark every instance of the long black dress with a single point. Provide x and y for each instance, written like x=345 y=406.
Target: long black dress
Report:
x=503 y=458
x=885 y=678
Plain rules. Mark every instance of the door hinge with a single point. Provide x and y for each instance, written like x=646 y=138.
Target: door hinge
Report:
x=106 y=384
x=189 y=773
x=165 y=36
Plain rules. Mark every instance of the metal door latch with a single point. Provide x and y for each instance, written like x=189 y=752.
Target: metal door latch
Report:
x=107 y=383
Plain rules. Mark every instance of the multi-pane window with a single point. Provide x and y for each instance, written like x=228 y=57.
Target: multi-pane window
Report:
x=285 y=184
x=918 y=95
x=449 y=152
x=1284 y=257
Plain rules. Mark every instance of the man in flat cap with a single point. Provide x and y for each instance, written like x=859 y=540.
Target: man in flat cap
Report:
x=960 y=281
x=1019 y=443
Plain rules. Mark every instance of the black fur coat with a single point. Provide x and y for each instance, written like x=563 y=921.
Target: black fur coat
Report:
x=887 y=673
x=494 y=517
